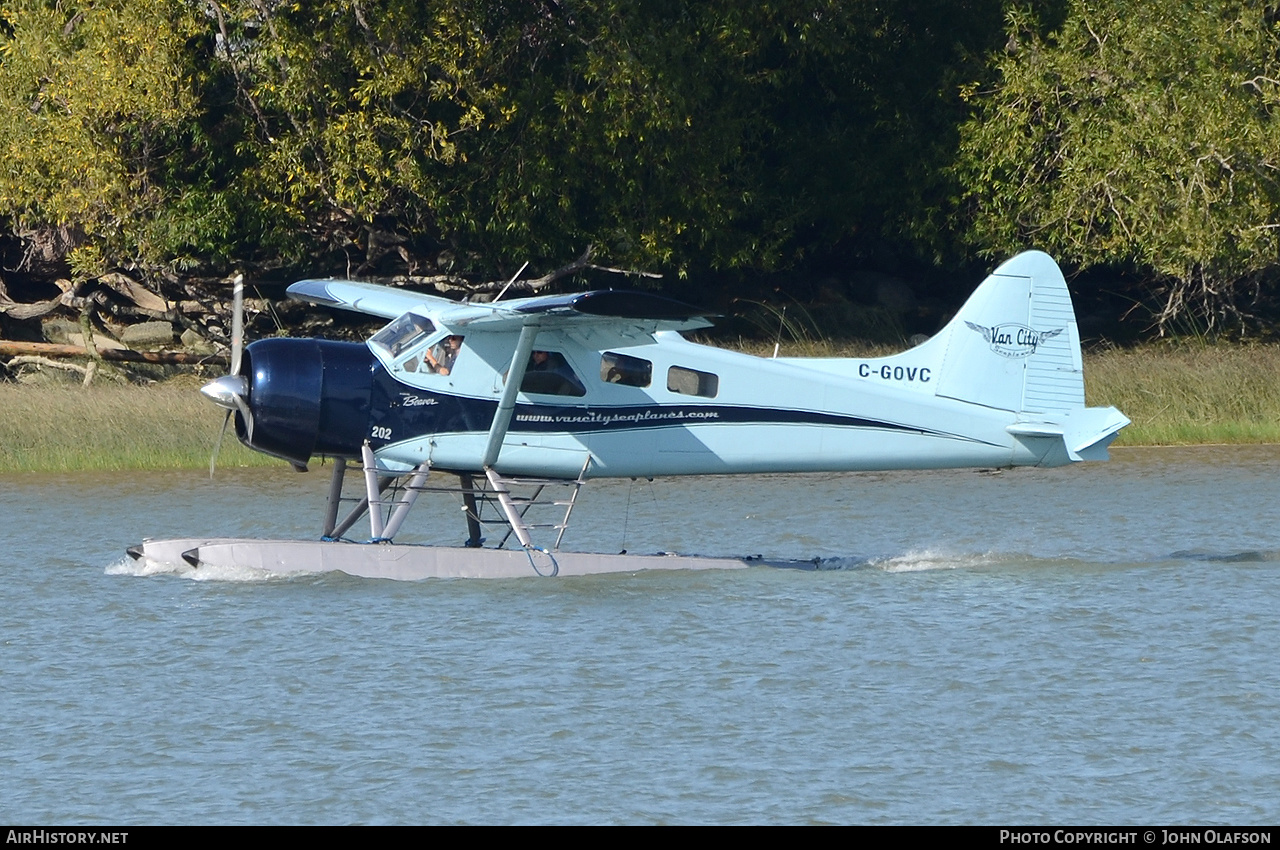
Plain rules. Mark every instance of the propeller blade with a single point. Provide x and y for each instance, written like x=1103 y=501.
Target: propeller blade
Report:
x=228 y=392
x=242 y=407
x=213 y=460
x=237 y=324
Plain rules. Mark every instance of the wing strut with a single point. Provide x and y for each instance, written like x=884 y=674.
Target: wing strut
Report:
x=507 y=404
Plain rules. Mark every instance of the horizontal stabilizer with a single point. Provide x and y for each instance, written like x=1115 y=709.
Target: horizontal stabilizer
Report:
x=1083 y=433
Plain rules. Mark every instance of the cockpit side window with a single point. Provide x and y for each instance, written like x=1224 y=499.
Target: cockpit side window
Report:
x=624 y=369
x=548 y=373
x=439 y=358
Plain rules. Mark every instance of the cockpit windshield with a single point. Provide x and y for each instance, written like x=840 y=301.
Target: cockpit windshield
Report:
x=402 y=334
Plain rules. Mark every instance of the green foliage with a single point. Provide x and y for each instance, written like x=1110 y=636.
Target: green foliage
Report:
x=684 y=136
x=468 y=136
x=94 y=99
x=1122 y=140
x=723 y=134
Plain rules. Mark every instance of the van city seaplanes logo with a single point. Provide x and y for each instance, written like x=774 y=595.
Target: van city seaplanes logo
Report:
x=1012 y=340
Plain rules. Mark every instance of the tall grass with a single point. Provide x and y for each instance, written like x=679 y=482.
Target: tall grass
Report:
x=807 y=347
x=1191 y=393
x=110 y=426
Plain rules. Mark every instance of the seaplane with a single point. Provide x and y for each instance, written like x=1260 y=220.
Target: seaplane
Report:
x=523 y=402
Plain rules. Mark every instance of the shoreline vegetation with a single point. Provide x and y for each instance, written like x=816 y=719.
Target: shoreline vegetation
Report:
x=1176 y=394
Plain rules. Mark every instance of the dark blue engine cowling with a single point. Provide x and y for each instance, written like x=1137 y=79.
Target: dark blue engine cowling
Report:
x=308 y=397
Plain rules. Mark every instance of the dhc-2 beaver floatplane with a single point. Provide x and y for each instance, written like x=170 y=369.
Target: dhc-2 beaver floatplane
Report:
x=517 y=398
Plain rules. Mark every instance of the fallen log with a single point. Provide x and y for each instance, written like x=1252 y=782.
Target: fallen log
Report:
x=9 y=348
x=88 y=371
x=22 y=310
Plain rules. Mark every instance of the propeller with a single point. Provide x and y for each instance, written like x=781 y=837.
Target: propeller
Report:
x=229 y=391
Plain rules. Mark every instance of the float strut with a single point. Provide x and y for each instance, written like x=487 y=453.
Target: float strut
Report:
x=411 y=491
x=335 y=496
x=358 y=511
x=372 y=491
x=473 y=513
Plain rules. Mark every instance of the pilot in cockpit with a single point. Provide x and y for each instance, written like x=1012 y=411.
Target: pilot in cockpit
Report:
x=441 y=358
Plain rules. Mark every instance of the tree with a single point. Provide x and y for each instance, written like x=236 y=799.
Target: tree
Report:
x=467 y=136
x=1119 y=140
x=686 y=136
x=96 y=107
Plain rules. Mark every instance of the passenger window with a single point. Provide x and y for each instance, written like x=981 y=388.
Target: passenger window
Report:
x=624 y=369
x=692 y=382
x=548 y=373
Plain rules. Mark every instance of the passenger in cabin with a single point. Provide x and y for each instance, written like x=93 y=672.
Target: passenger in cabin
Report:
x=624 y=369
x=441 y=358
x=549 y=373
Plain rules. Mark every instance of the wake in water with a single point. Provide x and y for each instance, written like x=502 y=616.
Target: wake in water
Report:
x=907 y=562
x=145 y=567
x=930 y=559
x=1252 y=556
x=921 y=560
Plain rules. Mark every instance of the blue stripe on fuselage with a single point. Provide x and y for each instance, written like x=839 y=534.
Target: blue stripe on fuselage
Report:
x=400 y=412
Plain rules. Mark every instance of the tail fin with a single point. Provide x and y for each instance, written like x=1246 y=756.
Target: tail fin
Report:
x=1015 y=346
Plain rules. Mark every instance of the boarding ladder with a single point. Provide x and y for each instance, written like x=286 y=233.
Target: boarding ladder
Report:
x=515 y=497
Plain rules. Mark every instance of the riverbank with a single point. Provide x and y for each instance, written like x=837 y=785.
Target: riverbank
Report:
x=62 y=428
x=1175 y=395
x=1181 y=395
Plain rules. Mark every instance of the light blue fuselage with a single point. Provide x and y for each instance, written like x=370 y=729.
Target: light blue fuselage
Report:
x=681 y=423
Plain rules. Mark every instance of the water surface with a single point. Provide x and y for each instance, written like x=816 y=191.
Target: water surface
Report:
x=1095 y=644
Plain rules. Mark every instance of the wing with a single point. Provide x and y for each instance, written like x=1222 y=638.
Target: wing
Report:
x=385 y=301
x=615 y=308
x=641 y=310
